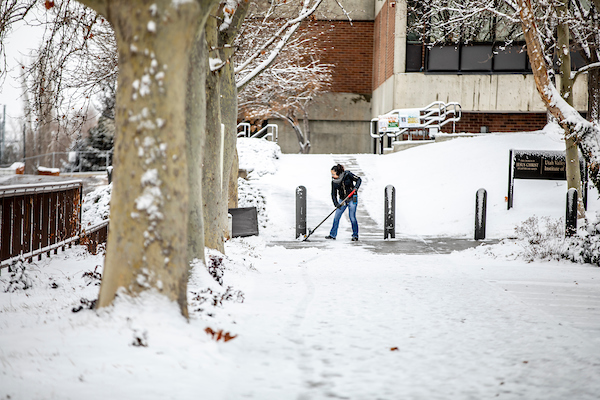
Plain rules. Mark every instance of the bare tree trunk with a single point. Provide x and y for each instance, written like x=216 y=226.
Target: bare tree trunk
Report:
x=306 y=123
x=196 y=133
x=594 y=95
x=233 y=182
x=212 y=177
x=572 y=170
x=195 y=136
x=147 y=243
x=221 y=129
x=229 y=119
x=586 y=135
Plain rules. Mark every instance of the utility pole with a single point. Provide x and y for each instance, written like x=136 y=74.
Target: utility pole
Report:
x=24 y=151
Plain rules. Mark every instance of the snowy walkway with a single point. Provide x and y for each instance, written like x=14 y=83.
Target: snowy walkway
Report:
x=388 y=320
x=326 y=324
x=371 y=233
x=373 y=320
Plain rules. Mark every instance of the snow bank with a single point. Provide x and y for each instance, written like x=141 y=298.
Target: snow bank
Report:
x=96 y=206
x=258 y=156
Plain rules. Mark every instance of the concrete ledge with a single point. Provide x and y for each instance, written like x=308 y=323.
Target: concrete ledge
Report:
x=443 y=137
x=406 y=144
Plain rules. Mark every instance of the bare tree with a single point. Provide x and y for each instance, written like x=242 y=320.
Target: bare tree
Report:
x=224 y=86
x=287 y=89
x=582 y=132
x=441 y=19
x=147 y=243
x=11 y=12
x=76 y=60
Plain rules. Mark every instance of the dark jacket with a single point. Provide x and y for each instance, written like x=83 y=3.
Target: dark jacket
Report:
x=344 y=187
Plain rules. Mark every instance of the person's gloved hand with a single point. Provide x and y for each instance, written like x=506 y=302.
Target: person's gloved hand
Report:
x=337 y=205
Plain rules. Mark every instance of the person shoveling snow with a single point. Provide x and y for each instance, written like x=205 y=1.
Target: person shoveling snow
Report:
x=345 y=184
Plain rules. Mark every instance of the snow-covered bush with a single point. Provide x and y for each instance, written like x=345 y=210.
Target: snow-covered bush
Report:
x=19 y=277
x=545 y=240
x=96 y=206
x=541 y=242
x=257 y=156
x=585 y=246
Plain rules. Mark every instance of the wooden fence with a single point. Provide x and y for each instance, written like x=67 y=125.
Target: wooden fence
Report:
x=40 y=218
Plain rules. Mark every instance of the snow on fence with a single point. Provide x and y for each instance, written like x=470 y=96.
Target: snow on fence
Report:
x=38 y=218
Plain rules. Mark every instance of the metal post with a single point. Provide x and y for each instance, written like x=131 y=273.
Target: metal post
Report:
x=509 y=200
x=480 y=214
x=300 y=211
x=571 y=219
x=3 y=138
x=389 y=225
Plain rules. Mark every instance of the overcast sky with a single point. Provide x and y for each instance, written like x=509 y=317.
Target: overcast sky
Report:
x=21 y=41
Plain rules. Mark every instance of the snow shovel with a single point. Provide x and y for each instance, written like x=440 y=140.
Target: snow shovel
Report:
x=310 y=232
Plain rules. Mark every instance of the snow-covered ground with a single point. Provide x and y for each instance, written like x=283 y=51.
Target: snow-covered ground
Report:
x=329 y=319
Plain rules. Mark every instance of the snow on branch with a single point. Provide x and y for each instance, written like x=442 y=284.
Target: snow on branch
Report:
x=280 y=38
x=585 y=133
x=228 y=11
x=584 y=69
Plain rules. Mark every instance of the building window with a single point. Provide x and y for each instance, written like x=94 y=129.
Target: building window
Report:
x=467 y=59
x=476 y=58
x=510 y=58
x=443 y=59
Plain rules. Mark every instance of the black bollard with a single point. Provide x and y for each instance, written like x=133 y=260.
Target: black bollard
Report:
x=389 y=216
x=480 y=211
x=300 y=211
x=571 y=219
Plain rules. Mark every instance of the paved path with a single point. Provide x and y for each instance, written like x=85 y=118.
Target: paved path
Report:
x=402 y=319
x=371 y=234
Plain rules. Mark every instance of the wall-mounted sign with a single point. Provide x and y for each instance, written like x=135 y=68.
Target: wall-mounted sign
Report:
x=388 y=123
x=409 y=118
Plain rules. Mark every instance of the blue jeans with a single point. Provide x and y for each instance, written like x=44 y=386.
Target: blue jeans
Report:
x=351 y=205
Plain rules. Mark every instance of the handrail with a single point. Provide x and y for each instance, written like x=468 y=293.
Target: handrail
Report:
x=434 y=115
x=13 y=190
x=246 y=129
x=273 y=133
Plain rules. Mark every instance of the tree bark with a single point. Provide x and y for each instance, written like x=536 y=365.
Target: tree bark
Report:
x=146 y=247
x=594 y=95
x=195 y=137
x=572 y=171
x=233 y=182
x=221 y=129
x=212 y=176
x=196 y=134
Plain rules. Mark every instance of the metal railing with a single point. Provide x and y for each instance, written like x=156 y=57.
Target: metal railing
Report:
x=430 y=118
x=270 y=131
x=95 y=235
x=245 y=129
x=38 y=218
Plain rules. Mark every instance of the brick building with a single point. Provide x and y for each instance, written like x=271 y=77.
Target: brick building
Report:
x=379 y=69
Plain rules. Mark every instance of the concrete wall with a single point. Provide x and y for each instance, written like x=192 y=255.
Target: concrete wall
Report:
x=481 y=93
x=328 y=137
x=339 y=124
x=383 y=98
x=507 y=93
x=358 y=10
